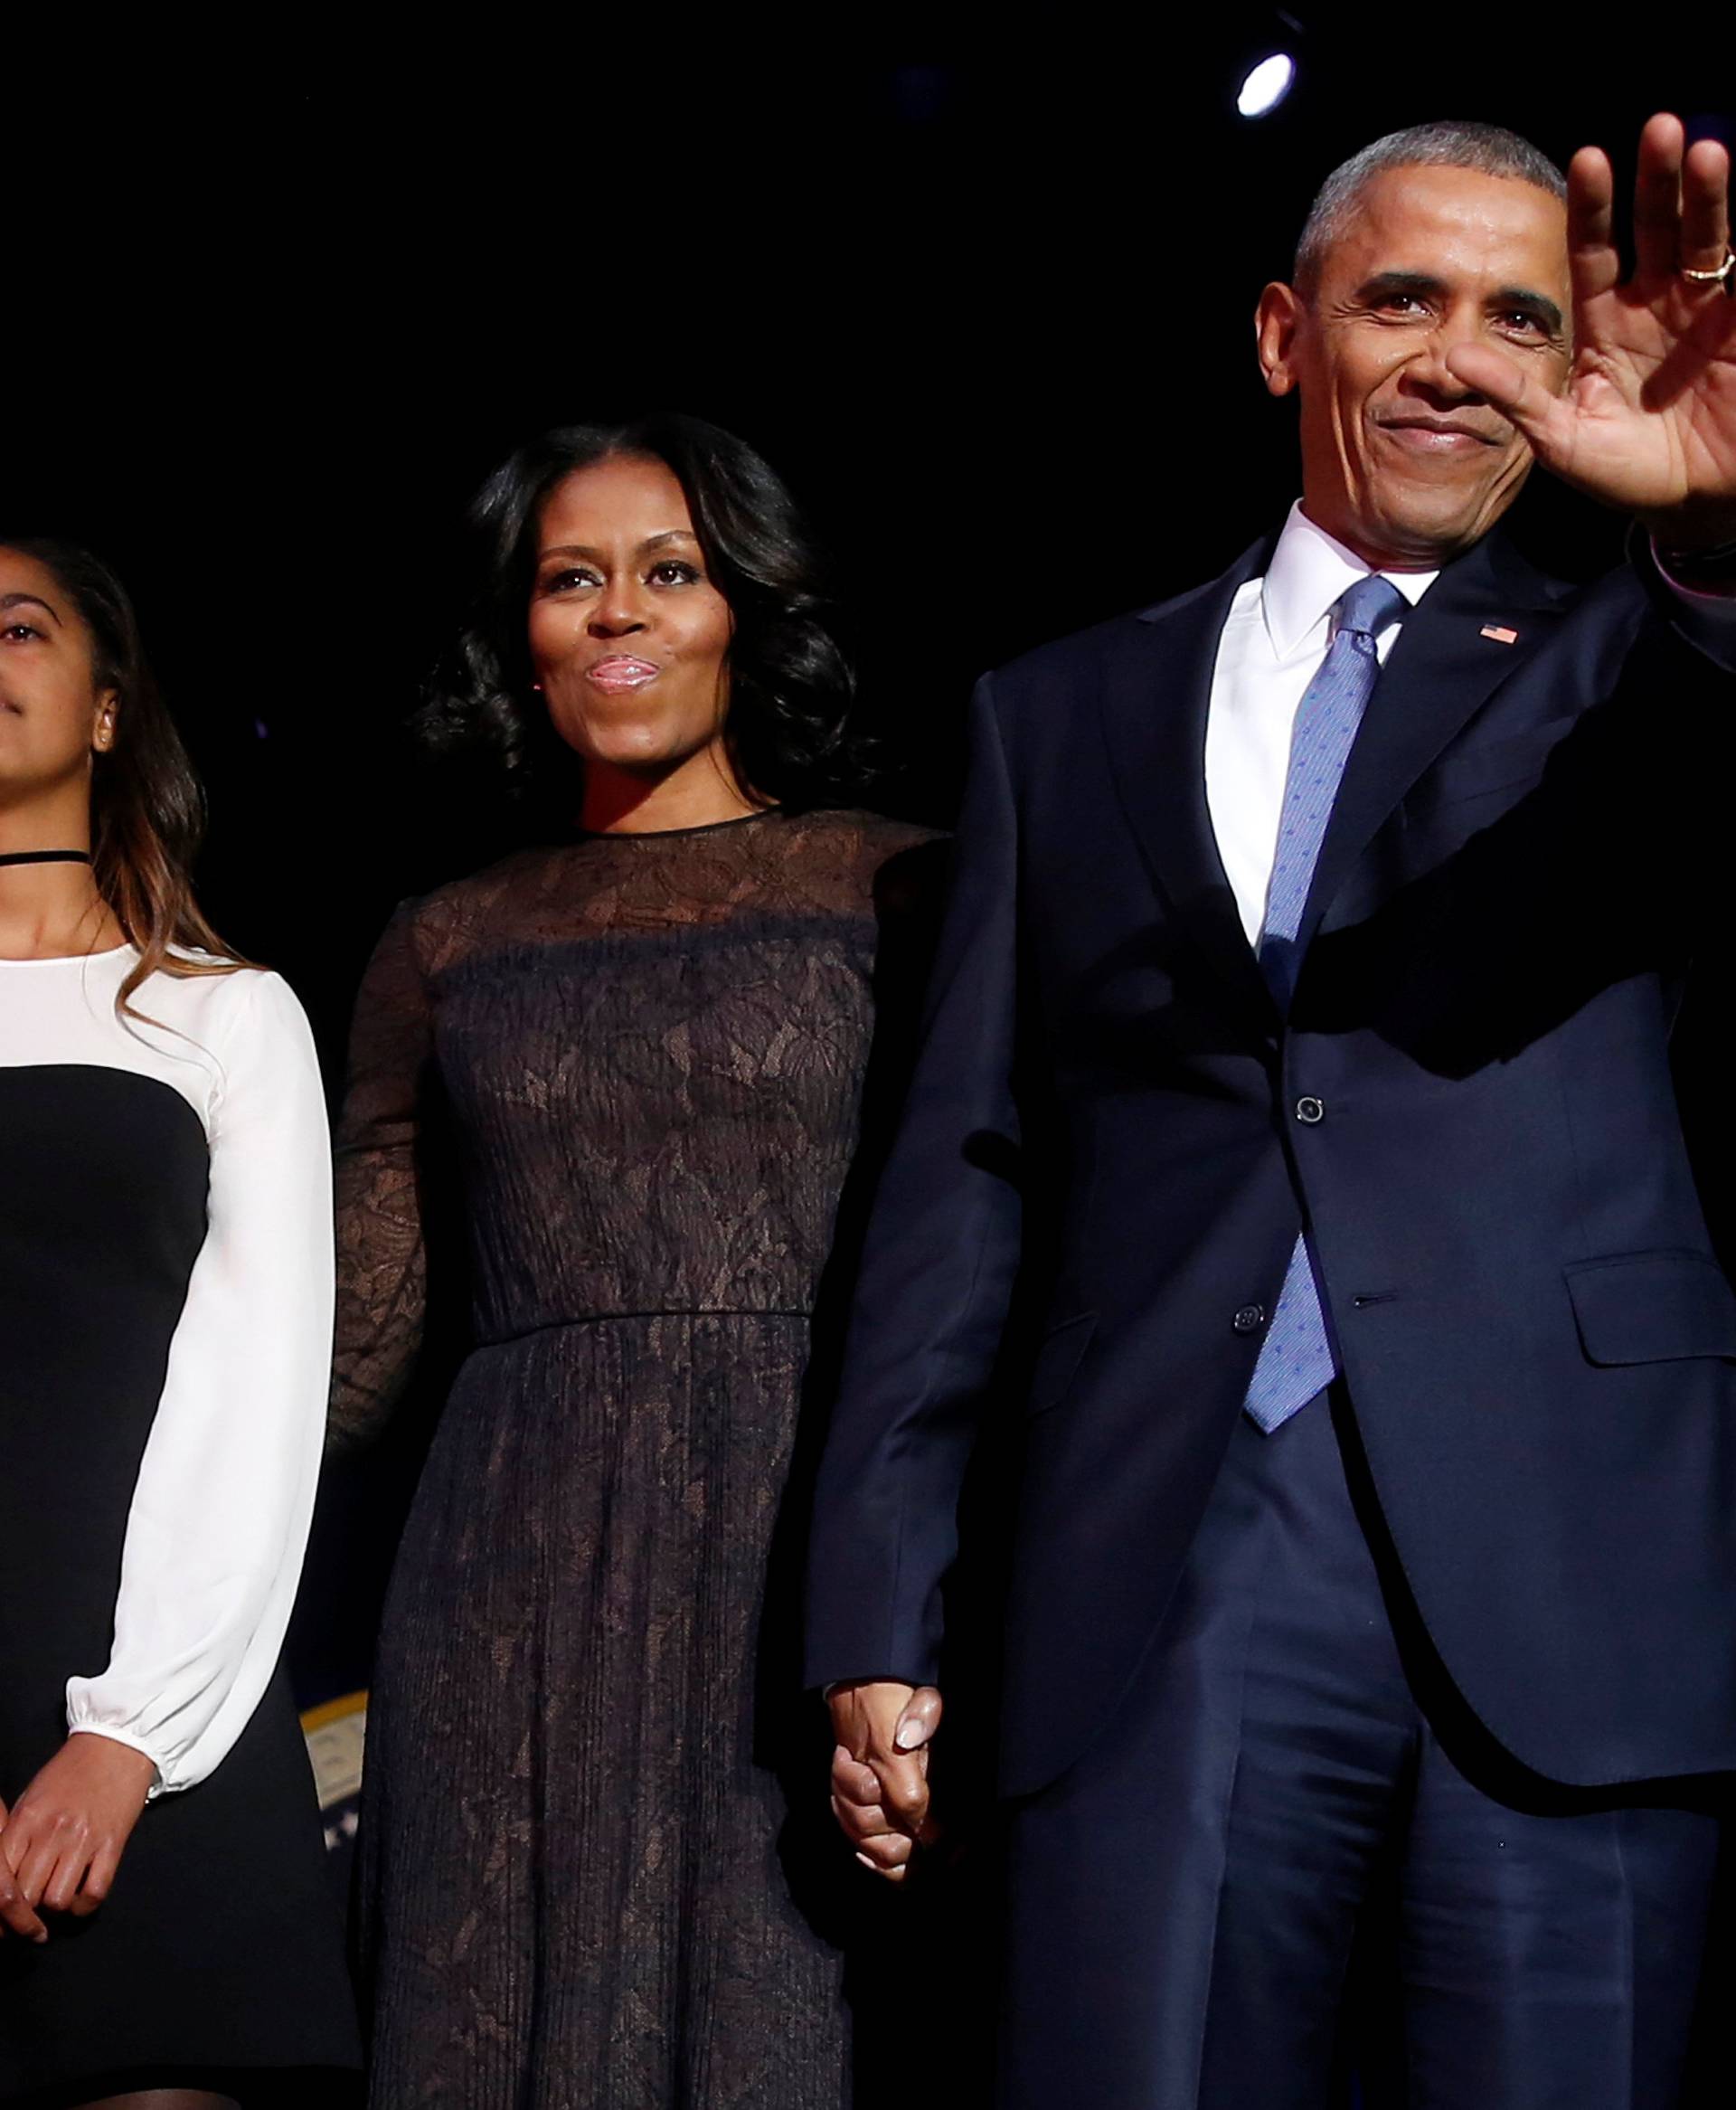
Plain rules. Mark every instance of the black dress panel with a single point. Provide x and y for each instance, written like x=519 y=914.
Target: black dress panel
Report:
x=223 y=1899
x=104 y=1178
x=579 y=1885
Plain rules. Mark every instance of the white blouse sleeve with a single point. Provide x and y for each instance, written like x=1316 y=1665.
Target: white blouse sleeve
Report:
x=221 y=1512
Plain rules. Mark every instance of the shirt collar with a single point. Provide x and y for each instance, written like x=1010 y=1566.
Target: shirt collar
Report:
x=1309 y=572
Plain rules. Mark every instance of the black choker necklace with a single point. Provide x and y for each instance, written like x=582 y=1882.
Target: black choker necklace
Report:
x=44 y=856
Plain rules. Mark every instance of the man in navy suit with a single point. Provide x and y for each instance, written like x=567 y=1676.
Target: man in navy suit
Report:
x=1298 y=1059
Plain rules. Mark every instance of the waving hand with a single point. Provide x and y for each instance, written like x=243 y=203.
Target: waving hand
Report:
x=1647 y=421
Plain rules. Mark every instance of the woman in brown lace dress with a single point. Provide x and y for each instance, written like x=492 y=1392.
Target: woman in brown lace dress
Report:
x=648 y=1042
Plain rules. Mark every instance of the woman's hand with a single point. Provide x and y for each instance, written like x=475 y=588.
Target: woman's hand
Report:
x=16 y=1917
x=65 y=1835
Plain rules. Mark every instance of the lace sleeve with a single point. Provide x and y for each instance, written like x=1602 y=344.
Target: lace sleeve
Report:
x=382 y=1260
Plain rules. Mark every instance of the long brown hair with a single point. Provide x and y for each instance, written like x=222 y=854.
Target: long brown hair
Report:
x=147 y=807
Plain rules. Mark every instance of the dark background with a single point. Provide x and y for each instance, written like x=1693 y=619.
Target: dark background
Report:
x=272 y=311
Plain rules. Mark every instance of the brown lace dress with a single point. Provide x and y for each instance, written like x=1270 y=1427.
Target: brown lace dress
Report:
x=580 y=1883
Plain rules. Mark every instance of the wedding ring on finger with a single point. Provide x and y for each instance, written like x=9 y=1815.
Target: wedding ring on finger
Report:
x=1714 y=278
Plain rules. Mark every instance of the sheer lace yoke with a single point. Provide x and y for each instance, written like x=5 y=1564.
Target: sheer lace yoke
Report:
x=649 y=1052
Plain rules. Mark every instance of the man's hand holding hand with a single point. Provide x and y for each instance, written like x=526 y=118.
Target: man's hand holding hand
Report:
x=880 y=1769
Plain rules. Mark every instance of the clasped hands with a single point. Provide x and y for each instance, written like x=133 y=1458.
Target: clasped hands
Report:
x=61 y=1841
x=879 y=1770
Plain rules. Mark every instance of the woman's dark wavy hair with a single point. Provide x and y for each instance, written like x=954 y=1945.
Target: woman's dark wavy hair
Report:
x=147 y=807
x=791 y=688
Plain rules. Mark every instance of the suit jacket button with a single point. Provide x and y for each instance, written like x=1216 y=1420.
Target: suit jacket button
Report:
x=1310 y=1111
x=1249 y=1318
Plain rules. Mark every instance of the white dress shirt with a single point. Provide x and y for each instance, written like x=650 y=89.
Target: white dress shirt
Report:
x=1273 y=644
x=220 y=1514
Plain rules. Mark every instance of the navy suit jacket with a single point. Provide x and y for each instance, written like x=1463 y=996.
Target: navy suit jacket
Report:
x=1102 y=1132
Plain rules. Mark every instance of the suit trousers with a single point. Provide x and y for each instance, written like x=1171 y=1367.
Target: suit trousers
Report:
x=1294 y=1865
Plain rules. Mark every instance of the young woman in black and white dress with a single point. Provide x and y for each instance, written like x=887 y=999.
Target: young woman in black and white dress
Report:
x=168 y=1937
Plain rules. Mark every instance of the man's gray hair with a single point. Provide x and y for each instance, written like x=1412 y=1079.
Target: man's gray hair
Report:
x=1489 y=149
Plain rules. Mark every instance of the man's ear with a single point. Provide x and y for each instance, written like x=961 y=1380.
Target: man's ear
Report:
x=1277 y=321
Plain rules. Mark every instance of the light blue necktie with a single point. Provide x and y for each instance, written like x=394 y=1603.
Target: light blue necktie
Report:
x=1295 y=1358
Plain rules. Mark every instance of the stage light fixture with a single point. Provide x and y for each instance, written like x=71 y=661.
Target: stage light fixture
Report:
x=1266 y=85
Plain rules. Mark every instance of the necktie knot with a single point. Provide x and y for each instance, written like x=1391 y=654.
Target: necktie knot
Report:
x=1367 y=608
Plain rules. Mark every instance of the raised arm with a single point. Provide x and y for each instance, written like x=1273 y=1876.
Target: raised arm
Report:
x=381 y=1261
x=939 y=1265
x=1647 y=421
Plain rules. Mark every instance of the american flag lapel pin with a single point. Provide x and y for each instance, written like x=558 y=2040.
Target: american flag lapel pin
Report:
x=1500 y=633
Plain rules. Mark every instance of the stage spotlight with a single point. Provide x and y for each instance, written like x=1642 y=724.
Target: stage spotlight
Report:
x=1266 y=85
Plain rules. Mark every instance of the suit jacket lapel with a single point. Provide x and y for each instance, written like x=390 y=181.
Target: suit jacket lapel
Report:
x=1441 y=671
x=1154 y=702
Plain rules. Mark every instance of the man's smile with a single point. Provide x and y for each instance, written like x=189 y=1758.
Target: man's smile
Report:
x=1421 y=434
